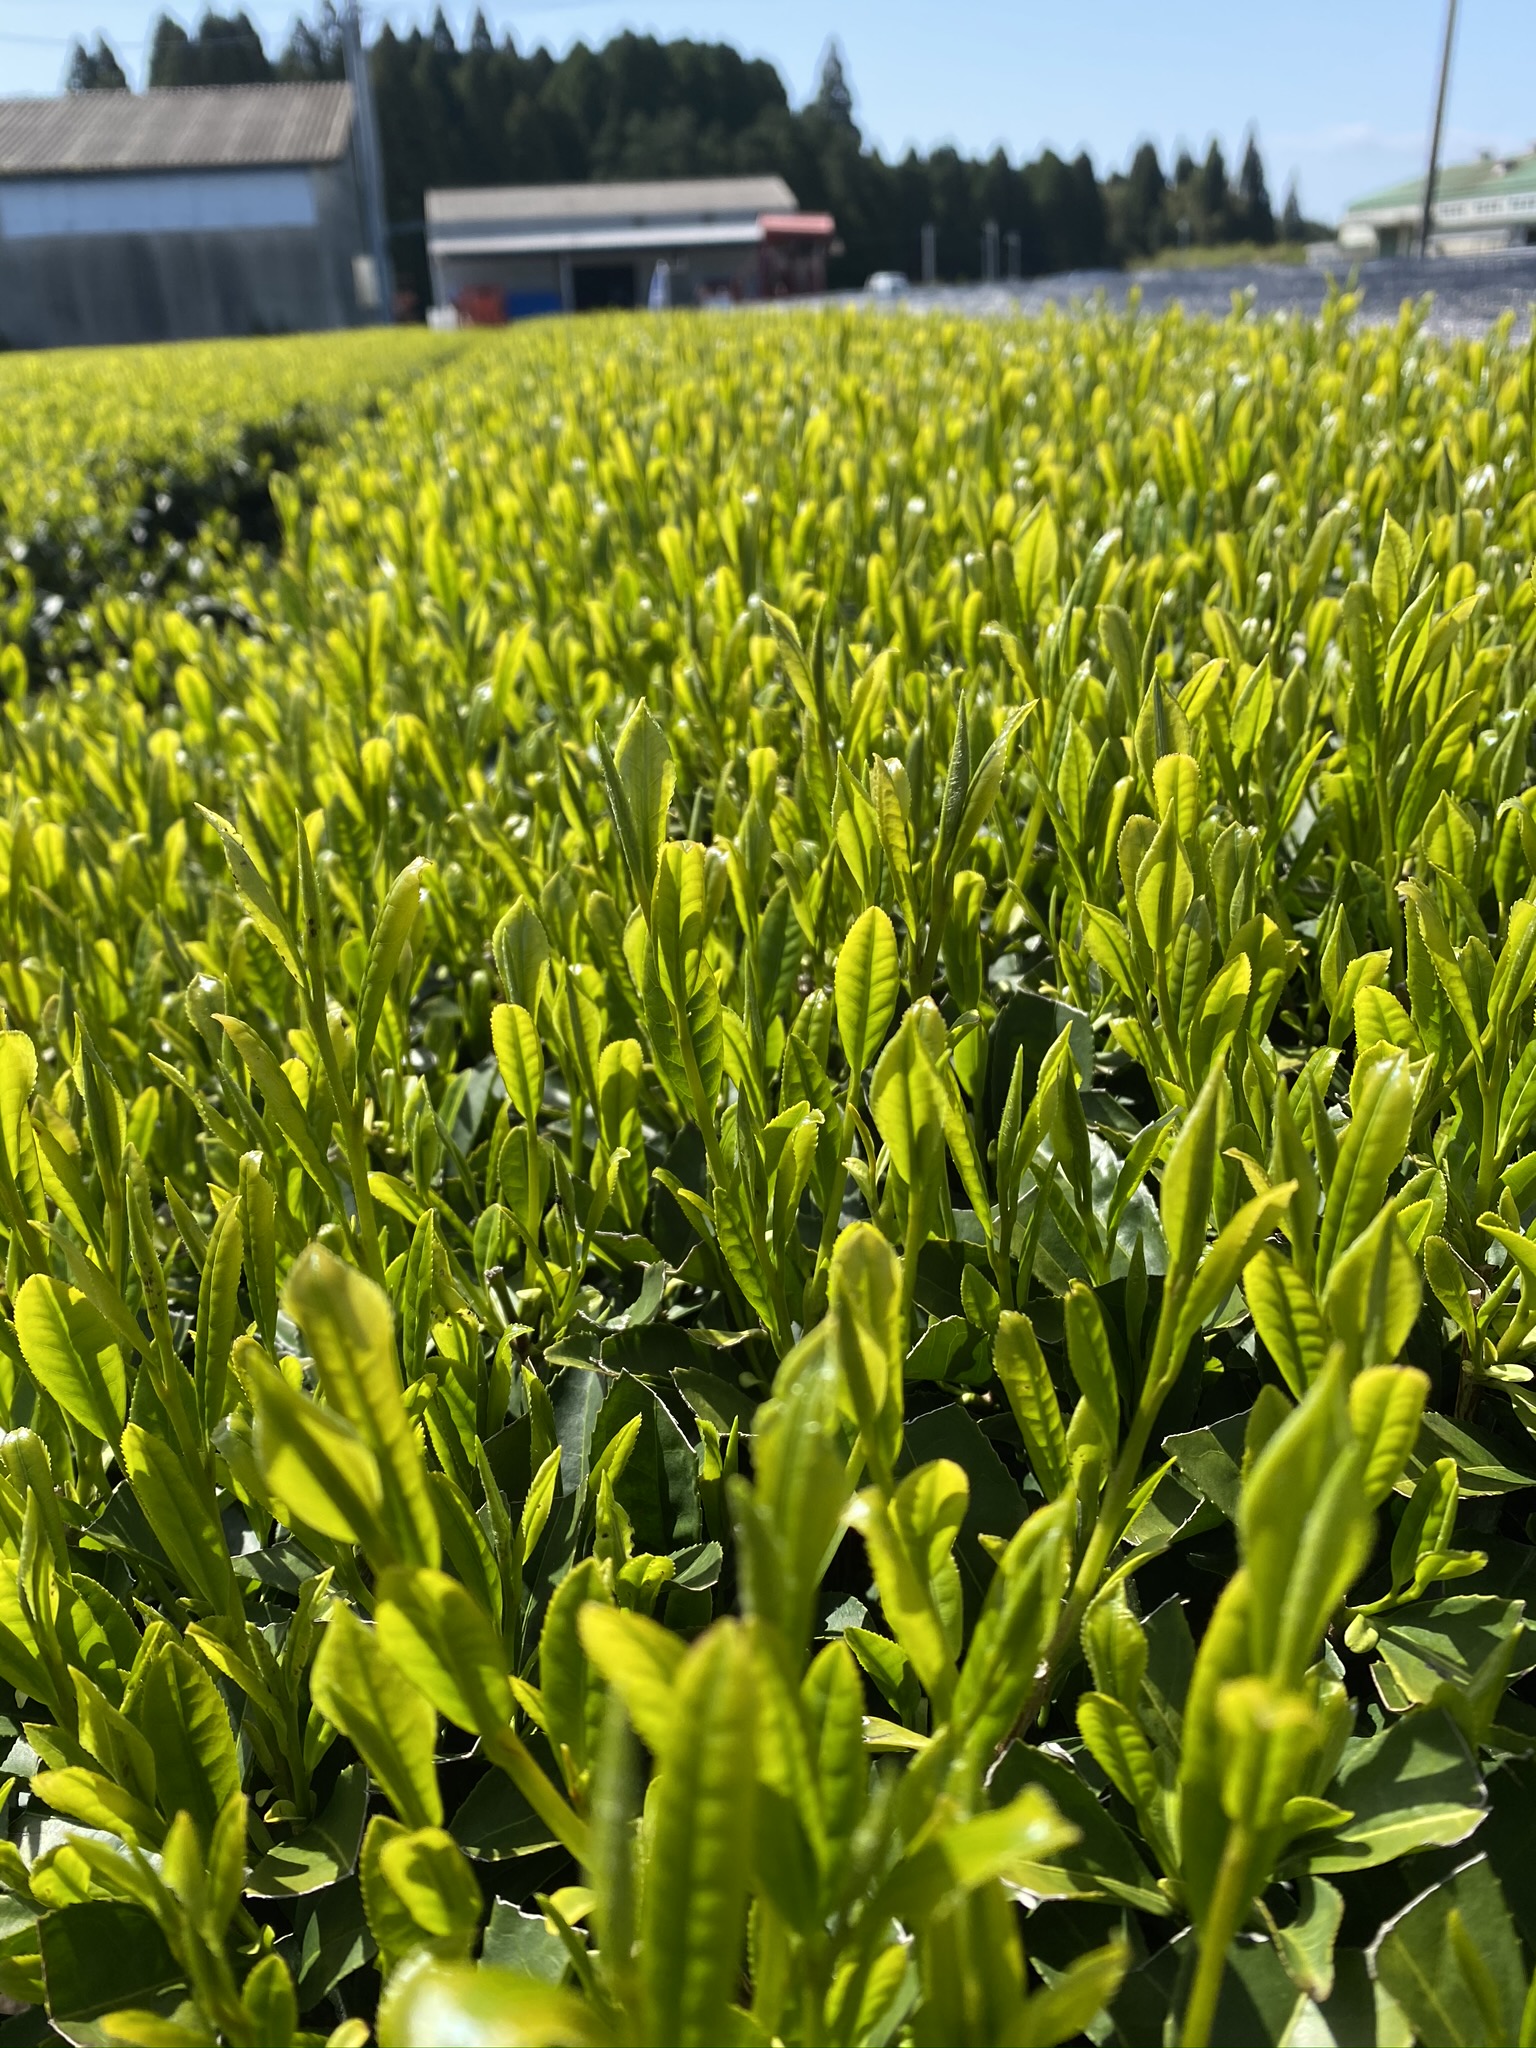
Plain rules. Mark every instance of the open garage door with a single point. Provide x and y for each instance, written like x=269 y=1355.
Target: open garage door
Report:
x=603 y=284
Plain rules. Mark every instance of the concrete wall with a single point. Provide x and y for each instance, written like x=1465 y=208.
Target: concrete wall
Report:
x=80 y=287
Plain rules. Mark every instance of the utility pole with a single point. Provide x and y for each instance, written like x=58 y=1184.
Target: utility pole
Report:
x=370 y=157
x=1434 y=139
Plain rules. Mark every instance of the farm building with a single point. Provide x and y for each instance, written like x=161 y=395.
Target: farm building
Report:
x=1479 y=209
x=162 y=216
x=515 y=250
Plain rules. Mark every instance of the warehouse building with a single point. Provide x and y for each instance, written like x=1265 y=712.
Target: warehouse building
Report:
x=517 y=250
x=162 y=216
x=1479 y=210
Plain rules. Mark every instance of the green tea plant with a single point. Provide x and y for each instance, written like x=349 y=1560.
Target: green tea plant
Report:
x=768 y=1189
x=131 y=474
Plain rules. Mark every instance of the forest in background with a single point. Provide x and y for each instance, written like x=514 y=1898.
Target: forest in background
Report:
x=488 y=113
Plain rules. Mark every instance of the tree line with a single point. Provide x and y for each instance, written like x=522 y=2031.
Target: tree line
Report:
x=491 y=114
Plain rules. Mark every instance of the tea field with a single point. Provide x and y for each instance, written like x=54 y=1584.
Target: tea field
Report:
x=768 y=1181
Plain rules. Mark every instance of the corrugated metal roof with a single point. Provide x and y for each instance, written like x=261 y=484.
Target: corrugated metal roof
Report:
x=1490 y=178
x=638 y=204
x=192 y=128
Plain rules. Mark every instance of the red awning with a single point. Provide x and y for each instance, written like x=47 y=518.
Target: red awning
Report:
x=807 y=224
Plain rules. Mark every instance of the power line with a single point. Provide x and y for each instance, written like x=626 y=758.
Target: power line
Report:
x=45 y=42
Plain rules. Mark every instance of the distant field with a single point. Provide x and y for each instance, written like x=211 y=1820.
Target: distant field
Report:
x=1468 y=295
x=768 y=1178
x=1233 y=255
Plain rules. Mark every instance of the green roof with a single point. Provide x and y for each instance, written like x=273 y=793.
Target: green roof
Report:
x=1458 y=181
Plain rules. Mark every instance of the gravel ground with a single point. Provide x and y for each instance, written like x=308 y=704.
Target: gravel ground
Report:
x=1469 y=292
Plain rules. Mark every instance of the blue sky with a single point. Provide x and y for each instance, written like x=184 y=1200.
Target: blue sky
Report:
x=1338 y=90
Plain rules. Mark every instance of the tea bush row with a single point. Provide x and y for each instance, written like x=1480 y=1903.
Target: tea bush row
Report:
x=767 y=1175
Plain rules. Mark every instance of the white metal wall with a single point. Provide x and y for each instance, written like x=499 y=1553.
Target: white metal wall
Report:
x=173 y=202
